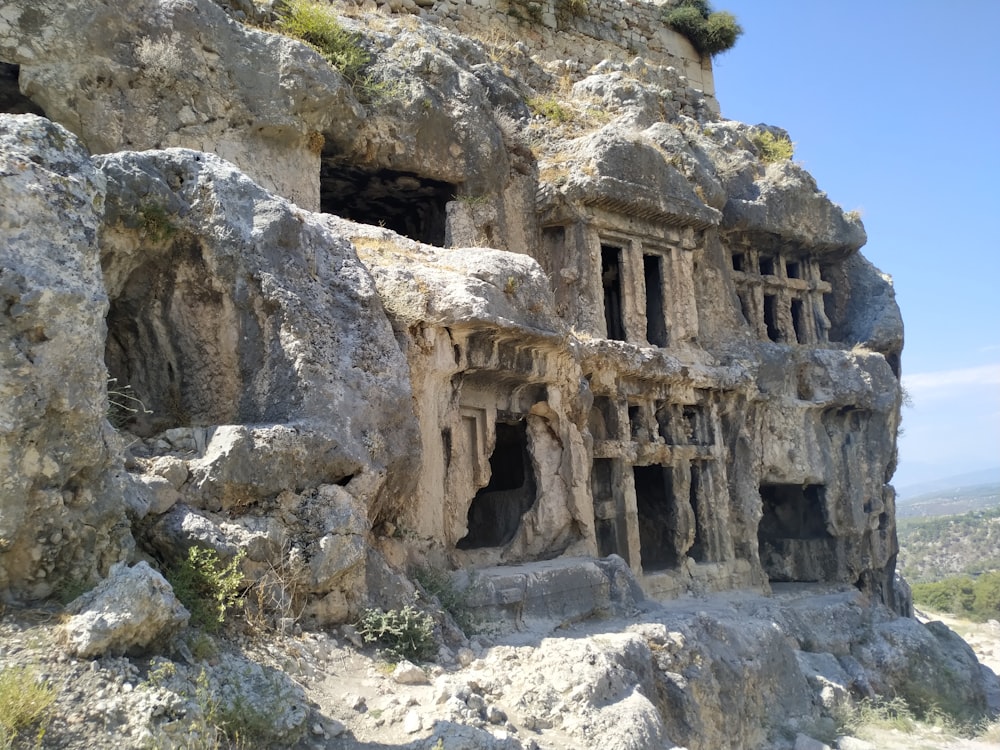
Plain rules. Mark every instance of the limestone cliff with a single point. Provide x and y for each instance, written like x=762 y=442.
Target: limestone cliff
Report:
x=501 y=304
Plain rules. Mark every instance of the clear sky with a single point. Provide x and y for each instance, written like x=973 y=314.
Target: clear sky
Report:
x=894 y=107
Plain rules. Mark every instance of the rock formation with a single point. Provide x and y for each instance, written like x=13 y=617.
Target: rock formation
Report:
x=531 y=310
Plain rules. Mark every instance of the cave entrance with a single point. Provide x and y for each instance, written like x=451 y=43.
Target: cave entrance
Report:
x=403 y=202
x=792 y=531
x=12 y=101
x=654 y=499
x=656 y=325
x=611 y=281
x=497 y=508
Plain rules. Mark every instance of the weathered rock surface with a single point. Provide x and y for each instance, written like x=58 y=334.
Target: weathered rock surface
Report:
x=647 y=362
x=131 y=610
x=62 y=514
x=158 y=73
x=237 y=313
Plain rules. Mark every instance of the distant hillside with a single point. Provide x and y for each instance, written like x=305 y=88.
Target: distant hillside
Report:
x=935 y=546
x=950 y=501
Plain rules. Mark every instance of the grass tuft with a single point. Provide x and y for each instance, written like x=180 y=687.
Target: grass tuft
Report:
x=24 y=700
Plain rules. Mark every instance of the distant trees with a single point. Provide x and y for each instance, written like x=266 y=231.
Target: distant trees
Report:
x=973 y=598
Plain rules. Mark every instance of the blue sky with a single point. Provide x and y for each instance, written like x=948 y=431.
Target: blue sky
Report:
x=894 y=106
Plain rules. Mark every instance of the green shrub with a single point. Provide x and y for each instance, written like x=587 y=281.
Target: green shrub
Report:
x=405 y=633
x=155 y=223
x=772 y=148
x=974 y=598
x=24 y=700
x=550 y=109
x=206 y=587
x=316 y=24
x=454 y=601
x=709 y=32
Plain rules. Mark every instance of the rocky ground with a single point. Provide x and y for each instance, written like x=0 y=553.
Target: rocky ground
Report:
x=567 y=687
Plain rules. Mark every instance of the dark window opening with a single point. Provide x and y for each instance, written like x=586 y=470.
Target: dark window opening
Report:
x=698 y=550
x=604 y=419
x=798 y=321
x=609 y=512
x=405 y=203
x=636 y=421
x=654 y=497
x=611 y=281
x=446 y=447
x=771 y=317
x=739 y=260
x=656 y=326
x=691 y=425
x=793 y=269
x=12 y=101
x=766 y=265
x=497 y=508
x=664 y=422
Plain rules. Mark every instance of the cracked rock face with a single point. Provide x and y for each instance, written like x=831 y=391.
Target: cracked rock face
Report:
x=62 y=515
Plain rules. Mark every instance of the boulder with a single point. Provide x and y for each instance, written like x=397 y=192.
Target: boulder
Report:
x=62 y=513
x=132 y=610
x=144 y=74
x=234 y=311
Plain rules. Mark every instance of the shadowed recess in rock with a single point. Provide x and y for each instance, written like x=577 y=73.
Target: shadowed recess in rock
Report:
x=12 y=100
x=497 y=509
x=405 y=203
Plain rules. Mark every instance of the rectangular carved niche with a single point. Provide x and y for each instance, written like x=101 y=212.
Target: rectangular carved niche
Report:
x=611 y=282
x=792 y=536
x=609 y=508
x=656 y=324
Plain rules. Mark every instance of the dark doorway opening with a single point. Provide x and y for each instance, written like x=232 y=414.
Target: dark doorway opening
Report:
x=654 y=498
x=405 y=203
x=12 y=101
x=698 y=551
x=496 y=510
x=656 y=325
x=739 y=261
x=611 y=280
x=799 y=321
x=766 y=265
x=609 y=512
x=793 y=269
x=771 y=317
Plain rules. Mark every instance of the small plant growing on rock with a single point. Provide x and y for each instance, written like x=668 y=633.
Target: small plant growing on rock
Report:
x=405 y=633
x=771 y=148
x=550 y=109
x=709 y=32
x=24 y=700
x=123 y=404
x=155 y=223
x=206 y=587
x=316 y=24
